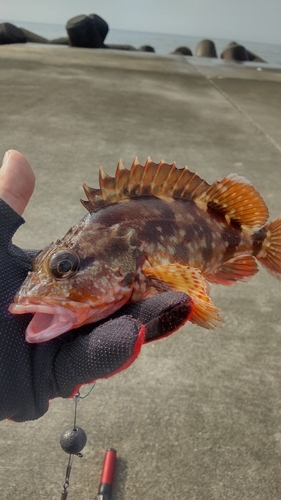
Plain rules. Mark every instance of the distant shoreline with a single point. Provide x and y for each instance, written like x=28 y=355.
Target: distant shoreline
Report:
x=163 y=44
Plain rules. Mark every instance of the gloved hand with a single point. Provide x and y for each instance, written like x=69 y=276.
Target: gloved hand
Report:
x=32 y=374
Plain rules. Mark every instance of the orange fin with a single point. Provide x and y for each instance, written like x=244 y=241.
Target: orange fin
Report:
x=152 y=179
x=189 y=280
x=240 y=268
x=233 y=196
x=237 y=199
x=270 y=254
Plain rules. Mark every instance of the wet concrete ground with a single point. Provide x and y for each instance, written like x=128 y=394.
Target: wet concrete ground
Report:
x=198 y=416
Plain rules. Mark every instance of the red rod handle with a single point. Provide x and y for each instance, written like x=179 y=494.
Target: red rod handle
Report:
x=109 y=465
x=107 y=475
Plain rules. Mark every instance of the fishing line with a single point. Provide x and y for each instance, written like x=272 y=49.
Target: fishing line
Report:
x=73 y=441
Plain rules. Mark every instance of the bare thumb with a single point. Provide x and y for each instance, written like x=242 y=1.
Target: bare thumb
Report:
x=17 y=181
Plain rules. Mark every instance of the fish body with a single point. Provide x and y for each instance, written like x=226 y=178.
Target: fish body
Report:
x=149 y=229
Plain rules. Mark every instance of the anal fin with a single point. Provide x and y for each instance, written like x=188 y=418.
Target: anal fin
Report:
x=189 y=280
x=240 y=268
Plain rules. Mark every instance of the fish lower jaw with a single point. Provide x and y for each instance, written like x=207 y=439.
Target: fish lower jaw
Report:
x=49 y=321
x=52 y=319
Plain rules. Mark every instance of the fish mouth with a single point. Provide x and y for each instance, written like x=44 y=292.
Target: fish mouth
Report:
x=49 y=321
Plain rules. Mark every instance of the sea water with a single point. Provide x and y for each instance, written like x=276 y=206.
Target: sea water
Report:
x=163 y=44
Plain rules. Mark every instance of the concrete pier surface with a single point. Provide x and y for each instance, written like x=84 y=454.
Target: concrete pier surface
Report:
x=198 y=415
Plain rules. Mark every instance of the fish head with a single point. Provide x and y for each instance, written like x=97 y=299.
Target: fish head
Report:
x=81 y=279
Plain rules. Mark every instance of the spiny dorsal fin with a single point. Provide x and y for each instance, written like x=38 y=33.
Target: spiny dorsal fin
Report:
x=233 y=196
x=153 y=179
x=237 y=199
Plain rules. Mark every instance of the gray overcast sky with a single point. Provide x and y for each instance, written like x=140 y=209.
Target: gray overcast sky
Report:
x=249 y=20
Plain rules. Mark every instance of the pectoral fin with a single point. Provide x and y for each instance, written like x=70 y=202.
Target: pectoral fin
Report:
x=189 y=280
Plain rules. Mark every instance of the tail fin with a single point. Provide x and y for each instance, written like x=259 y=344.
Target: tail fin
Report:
x=270 y=255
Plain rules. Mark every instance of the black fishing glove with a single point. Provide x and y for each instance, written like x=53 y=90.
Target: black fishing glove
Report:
x=32 y=374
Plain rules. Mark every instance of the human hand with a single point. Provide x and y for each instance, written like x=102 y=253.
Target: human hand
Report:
x=17 y=181
x=32 y=374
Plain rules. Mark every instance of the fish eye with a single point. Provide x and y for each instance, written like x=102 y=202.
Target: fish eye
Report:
x=63 y=264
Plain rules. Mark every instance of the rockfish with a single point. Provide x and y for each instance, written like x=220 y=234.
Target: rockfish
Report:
x=149 y=229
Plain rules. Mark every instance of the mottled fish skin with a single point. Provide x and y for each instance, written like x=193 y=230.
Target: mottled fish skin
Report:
x=179 y=231
x=150 y=229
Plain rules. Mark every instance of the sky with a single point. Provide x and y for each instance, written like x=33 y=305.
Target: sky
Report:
x=248 y=20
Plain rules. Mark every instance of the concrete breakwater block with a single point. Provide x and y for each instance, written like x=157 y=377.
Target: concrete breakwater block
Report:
x=206 y=48
x=9 y=33
x=85 y=31
x=101 y=25
x=183 y=51
x=63 y=40
x=253 y=57
x=32 y=37
x=146 y=48
x=237 y=52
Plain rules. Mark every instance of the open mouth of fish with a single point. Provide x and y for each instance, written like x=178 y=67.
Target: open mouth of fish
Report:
x=49 y=321
x=55 y=317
